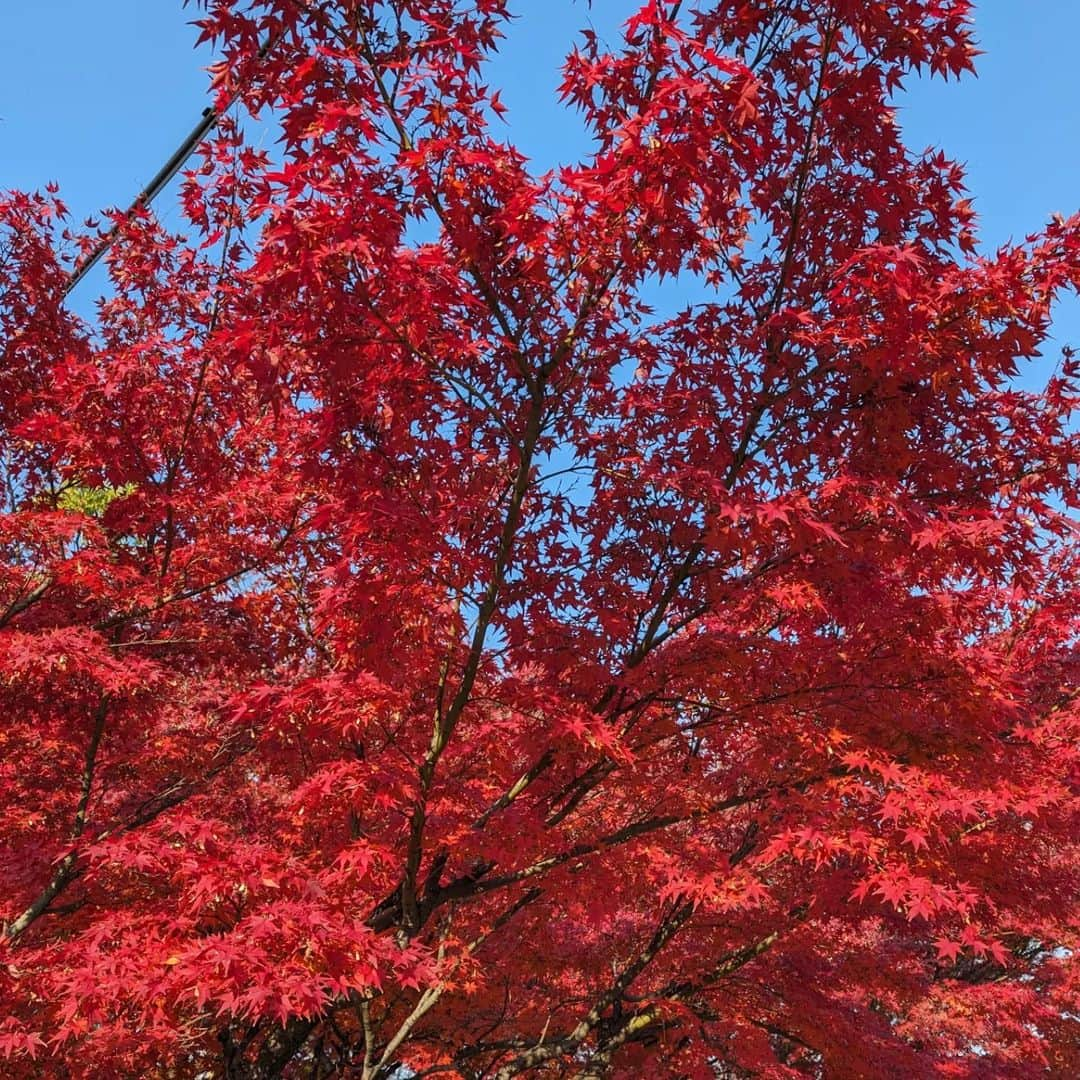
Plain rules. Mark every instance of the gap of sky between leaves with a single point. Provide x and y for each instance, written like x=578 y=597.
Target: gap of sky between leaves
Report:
x=96 y=97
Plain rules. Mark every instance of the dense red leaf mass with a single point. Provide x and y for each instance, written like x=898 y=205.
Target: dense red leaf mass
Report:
x=419 y=657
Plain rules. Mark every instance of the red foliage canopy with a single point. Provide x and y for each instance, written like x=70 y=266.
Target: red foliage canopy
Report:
x=418 y=657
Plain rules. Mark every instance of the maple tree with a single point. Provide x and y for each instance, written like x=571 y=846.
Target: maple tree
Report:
x=420 y=657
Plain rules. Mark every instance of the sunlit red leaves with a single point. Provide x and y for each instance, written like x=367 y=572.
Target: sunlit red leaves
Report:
x=443 y=612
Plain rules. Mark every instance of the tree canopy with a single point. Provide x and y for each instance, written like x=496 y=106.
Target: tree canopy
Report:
x=420 y=657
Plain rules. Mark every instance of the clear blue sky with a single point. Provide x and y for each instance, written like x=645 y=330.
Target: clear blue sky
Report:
x=96 y=96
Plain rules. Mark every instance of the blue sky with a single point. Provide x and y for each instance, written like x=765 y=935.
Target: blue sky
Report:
x=96 y=96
